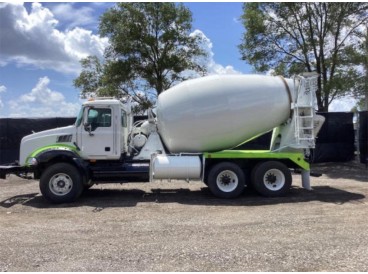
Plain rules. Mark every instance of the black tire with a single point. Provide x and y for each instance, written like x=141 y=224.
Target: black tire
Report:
x=61 y=183
x=226 y=180
x=271 y=178
x=87 y=184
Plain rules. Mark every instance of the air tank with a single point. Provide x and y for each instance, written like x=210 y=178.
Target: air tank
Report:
x=220 y=112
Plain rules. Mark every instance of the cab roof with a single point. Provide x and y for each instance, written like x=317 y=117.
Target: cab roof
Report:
x=99 y=101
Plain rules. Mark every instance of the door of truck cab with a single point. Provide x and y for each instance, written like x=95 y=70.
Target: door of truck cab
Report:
x=96 y=134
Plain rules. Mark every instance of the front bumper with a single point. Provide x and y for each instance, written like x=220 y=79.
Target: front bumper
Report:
x=21 y=171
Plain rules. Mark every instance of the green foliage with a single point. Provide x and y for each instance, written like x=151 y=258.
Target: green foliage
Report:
x=290 y=38
x=91 y=75
x=150 y=48
x=357 y=59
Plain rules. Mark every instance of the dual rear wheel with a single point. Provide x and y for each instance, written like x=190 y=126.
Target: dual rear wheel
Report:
x=270 y=179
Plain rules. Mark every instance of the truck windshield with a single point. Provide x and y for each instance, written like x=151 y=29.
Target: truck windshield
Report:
x=79 y=118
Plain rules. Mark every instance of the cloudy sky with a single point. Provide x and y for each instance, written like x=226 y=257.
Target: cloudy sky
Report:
x=41 y=45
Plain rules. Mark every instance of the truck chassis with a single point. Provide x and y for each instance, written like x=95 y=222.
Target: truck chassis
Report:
x=226 y=173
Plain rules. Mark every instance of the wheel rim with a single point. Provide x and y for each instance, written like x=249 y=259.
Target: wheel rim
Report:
x=60 y=184
x=227 y=181
x=274 y=179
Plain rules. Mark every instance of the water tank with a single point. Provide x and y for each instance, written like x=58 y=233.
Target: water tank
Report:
x=222 y=111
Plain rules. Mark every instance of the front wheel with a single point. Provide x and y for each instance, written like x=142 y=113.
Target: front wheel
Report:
x=226 y=180
x=271 y=178
x=88 y=185
x=61 y=183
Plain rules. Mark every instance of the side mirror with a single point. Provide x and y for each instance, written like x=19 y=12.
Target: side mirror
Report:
x=88 y=127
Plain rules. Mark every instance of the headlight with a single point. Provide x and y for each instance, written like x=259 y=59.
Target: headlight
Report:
x=32 y=161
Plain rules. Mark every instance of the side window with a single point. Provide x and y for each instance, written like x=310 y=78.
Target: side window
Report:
x=123 y=119
x=99 y=117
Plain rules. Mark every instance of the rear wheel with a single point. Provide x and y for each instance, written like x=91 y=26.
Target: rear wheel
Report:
x=271 y=179
x=226 y=180
x=61 y=183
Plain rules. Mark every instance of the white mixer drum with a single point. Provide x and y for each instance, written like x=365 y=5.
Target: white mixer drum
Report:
x=222 y=111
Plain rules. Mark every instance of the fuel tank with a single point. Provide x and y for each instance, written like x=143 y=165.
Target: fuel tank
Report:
x=220 y=112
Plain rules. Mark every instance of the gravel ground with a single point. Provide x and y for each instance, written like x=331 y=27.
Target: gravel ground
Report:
x=175 y=226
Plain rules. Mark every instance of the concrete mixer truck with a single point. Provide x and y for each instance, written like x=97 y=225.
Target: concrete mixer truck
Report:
x=191 y=136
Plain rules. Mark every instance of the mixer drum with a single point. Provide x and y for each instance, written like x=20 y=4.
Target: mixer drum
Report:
x=220 y=112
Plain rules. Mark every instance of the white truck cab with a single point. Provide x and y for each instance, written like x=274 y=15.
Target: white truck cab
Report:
x=102 y=129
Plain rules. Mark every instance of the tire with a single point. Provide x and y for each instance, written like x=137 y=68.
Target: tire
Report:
x=61 y=183
x=226 y=180
x=271 y=179
x=87 y=184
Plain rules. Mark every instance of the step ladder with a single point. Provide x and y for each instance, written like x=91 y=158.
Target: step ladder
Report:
x=304 y=111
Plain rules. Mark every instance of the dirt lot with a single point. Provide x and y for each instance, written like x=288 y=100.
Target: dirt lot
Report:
x=182 y=227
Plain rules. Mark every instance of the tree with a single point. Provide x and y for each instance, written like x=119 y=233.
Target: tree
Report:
x=291 y=38
x=357 y=55
x=150 y=50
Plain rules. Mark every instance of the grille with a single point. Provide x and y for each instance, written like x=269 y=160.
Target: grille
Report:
x=64 y=139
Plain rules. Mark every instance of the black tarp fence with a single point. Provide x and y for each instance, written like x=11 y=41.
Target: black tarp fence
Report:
x=363 y=136
x=335 y=142
x=12 y=130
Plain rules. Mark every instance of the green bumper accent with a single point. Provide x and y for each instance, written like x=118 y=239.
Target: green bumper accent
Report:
x=38 y=151
x=295 y=157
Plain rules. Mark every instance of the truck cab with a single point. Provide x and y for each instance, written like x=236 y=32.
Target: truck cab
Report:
x=99 y=133
x=102 y=129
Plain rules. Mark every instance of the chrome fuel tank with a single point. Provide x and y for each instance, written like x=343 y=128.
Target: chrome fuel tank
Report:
x=176 y=167
x=222 y=111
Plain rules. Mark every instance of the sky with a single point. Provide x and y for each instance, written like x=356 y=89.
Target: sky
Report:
x=41 y=45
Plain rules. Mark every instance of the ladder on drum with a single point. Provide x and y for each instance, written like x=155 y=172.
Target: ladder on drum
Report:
x=304 y=111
